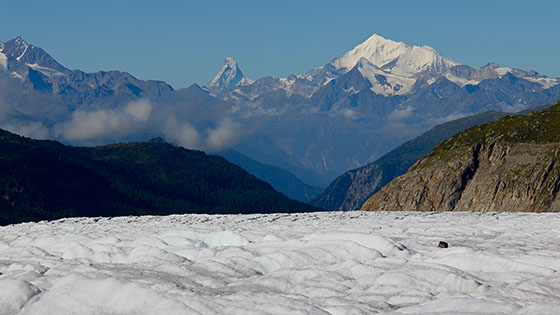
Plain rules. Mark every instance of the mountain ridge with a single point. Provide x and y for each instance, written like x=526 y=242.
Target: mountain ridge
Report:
x=45 y=180
x=379 y=109
x=318 y=124
x=415 y=65
x=506 y=165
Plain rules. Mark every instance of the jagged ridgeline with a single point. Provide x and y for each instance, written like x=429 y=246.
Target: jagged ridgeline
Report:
x=47 y=180
x=507 y=165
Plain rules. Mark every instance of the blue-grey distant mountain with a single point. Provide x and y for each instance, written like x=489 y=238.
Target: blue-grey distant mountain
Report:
x=282 y=180
x=34 y=72
x=369 y=100
x=317 y=125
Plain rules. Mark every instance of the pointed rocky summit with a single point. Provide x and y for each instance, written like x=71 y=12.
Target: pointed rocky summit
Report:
x=229 y=77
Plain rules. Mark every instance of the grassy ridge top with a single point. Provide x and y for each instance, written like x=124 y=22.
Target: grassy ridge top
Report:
x=538 y=127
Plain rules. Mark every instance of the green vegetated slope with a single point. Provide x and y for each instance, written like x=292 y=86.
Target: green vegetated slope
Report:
x=507 y=165
x=47 y=180
x=350 y=190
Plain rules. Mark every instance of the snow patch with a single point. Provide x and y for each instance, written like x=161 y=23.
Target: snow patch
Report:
x=461 y=81
x=502 y=70
x=327 y=80
x=44 y=70
x=545 y=82
x=383 y=82
x=24 y=51
x=3 y=61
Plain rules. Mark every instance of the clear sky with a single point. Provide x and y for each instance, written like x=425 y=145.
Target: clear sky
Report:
x=185 y=42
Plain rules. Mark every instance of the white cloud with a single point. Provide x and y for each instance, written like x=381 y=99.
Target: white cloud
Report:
x=35 y=130
x=183 y=133
x=349 y=114
x=401 y=114
x=140 y=110
x=102 y=124
x=95 y=124
x=181 y=125
x=227 y=133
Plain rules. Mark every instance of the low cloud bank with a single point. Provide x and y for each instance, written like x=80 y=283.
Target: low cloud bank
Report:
x=140 y=118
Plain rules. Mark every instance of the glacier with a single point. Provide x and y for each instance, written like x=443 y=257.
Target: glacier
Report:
x=307 y=263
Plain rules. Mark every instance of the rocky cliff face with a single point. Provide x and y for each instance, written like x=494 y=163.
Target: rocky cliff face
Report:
x=353 y=188
x=508 y=165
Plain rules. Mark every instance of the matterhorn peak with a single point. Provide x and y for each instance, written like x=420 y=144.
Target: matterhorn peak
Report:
x=229 y=77
x=230 y=62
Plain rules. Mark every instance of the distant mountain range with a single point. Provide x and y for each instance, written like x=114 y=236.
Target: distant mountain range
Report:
x=42 y=180
x=34 y=70
x=369 y=100
x=315 y=125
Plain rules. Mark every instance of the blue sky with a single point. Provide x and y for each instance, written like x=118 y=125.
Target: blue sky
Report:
x=183 y=42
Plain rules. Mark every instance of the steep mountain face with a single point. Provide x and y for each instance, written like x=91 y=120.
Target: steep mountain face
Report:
x=351 y=190
x=228 y=78
x=46 y=180
x=282 y=180
x=506 y=165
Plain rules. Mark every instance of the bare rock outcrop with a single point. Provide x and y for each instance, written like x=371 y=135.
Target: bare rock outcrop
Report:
x=509 y=165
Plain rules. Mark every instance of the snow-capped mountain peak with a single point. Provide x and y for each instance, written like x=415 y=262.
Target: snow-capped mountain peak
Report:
x=397 y=58
x=19 y=55
x=229 y=77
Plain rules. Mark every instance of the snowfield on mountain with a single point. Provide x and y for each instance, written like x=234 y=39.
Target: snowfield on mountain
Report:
x=307 y=263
